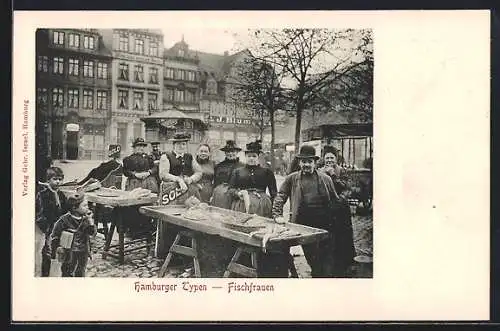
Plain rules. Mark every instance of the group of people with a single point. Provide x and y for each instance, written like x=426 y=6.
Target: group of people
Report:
x=315 y=196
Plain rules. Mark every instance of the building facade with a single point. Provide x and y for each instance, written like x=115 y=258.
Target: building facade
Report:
x=137 y=81
x=73 y=92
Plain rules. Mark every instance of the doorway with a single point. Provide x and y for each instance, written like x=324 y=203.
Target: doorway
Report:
x=72 y=145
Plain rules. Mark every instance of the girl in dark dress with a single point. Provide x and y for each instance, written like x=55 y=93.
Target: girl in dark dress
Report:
x=222 y=173
x=207 y=168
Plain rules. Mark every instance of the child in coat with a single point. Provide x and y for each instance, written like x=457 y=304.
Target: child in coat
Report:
x=78 y=223
x=50 y=205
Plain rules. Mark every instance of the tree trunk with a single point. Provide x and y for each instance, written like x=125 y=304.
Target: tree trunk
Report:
x=298 y=119
x=273 y=159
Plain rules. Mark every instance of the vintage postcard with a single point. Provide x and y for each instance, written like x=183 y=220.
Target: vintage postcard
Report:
x=249 y=166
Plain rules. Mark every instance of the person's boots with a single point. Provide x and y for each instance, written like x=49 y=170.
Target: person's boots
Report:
x=46 y=262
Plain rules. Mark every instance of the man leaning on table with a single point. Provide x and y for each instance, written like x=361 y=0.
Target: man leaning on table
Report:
x=312 y=203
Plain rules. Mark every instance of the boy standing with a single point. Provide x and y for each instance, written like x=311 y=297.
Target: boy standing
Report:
x=50 y=205
x=78 y=223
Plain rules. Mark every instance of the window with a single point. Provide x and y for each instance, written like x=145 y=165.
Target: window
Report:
x=102 y=70
x=137 y=130
x=123 y=43
x=179 y=95
x=181 y=52
x=58 y=67
x=58 y=38
x=169 y=94
x=191 y=76
x=73 y=67
x=57 y=97
x=169 y=73
x=42 y=96
x=74 y=40
x=73 y=95
x=123 y=74
x=123 y=99
x=88 y=99
x=88 y=68
x=88 y=42
x=152 y=101
x=153 y=48
x=139 y=46
x=102 y=100
x=43 y=63
x=153 y=75
x=138 y=100
x=189 y=96
x=139 y=73
x=179 y=74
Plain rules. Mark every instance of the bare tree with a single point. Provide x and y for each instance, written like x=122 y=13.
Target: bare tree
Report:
x=258 y=85
x=310 y=60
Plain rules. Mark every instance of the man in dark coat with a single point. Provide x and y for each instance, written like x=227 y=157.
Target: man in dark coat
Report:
x=314 y=202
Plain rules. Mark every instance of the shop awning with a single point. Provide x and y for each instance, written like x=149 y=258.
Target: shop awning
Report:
x=169 y=117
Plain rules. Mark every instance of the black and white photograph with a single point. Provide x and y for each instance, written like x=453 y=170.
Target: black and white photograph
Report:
x=159 y=155
x=249 y=166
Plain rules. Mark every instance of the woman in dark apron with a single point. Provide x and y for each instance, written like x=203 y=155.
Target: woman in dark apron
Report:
x=255 y=180
x=344 y=248
x=222 y=173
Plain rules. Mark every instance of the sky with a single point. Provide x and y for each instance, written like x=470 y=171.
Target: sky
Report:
x=206 y=40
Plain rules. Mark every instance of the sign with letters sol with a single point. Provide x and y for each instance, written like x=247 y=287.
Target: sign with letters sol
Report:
x=170 y=193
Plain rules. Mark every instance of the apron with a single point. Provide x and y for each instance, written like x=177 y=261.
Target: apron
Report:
x=220 y=198
x=260 y=204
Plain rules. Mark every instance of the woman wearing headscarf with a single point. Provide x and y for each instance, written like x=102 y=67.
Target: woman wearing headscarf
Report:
x=222 y=173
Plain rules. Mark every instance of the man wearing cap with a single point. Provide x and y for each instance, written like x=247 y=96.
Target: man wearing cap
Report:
x=139 y=168
x=222 y=174
x=156 y=155
x=312 y=202
x=104 y=170
x=140 y=172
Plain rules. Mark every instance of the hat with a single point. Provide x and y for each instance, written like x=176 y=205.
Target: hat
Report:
x=307 y=152
x=181 y=137
x=114 y=150
x=154 y=143
x=75 y=199
x=139 y=141
x=230 y=146
x=254 y=147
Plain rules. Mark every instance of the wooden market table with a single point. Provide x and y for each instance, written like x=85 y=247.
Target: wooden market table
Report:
x=245 y=243
x=120 y=201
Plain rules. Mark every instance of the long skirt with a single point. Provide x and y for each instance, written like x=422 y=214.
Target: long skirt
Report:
x=135 y=221
x=220 y=197
x=206 y=190
x=271 y=264
x=260 y=204
x=149 y=183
